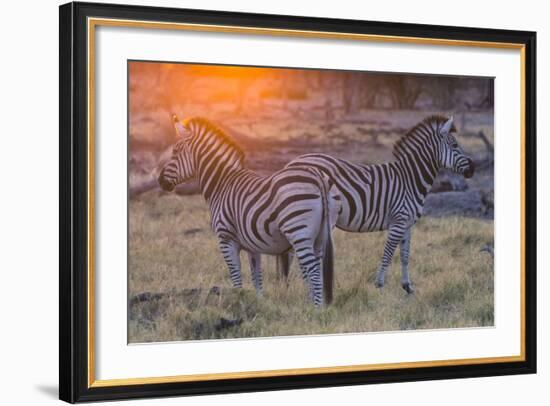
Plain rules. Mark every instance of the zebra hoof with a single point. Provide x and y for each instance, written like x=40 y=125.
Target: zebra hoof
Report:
x=379 y=284
x=408 y=288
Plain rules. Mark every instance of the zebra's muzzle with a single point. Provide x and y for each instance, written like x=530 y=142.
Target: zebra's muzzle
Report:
x=164 y=184
x=469 y=172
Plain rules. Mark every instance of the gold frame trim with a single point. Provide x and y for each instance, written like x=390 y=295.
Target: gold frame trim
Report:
x=94 y=22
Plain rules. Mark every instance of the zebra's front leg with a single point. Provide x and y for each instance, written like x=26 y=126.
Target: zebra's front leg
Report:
x=405 y=250
x=255 y=262
x=230 y=251
x=396 y=233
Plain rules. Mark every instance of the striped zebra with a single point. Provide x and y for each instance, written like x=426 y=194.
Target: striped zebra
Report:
x=291 y=209
x=391 y=196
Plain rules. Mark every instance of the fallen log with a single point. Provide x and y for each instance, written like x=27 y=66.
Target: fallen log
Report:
x=185 y=189
x=134 y=191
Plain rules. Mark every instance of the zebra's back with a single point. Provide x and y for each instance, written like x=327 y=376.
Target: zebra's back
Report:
x=368 y=192
x=259 y=211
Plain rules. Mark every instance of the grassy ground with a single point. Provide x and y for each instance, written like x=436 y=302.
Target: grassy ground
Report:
x=179 y=287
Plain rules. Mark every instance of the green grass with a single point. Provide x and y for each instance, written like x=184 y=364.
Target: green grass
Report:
x=173 y=250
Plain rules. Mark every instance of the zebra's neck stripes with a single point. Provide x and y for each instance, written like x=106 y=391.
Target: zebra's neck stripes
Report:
x=216 y=155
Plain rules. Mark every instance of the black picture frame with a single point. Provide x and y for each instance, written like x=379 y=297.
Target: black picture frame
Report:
x=73 y=255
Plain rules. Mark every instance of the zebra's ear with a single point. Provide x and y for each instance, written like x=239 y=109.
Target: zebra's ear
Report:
x=181 y=130
x=446 y=129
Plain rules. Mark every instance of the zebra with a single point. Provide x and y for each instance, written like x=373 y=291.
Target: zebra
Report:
x=391 y=196
x=291 y=209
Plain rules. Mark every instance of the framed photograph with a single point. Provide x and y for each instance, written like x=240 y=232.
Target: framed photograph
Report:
x=258 y=202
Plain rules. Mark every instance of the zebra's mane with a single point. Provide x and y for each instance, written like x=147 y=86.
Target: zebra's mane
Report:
x=217 y=131
x=398 y=147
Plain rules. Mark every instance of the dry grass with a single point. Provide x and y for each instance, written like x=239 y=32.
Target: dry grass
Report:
x=173 y=252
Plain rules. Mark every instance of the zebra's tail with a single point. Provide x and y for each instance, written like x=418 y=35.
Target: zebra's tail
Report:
x=325 y=237
x=328 y=269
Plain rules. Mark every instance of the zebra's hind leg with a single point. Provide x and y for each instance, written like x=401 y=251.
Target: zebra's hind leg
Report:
x=230 y=251
x=405 y=250
x=254 y=260
x=310 y=265
x=396 y=233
